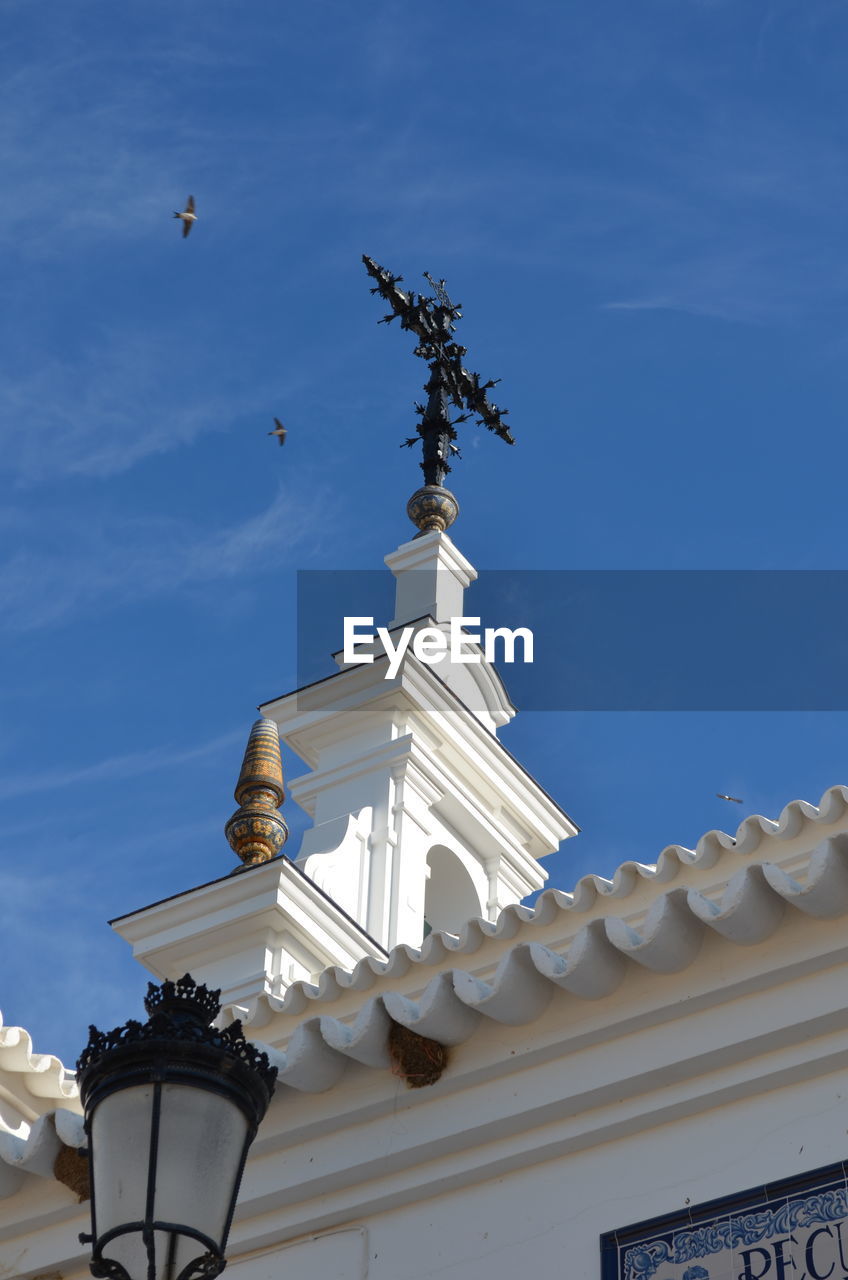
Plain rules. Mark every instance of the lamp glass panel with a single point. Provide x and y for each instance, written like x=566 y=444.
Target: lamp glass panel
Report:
x=120 y=1148
x=201 y=1141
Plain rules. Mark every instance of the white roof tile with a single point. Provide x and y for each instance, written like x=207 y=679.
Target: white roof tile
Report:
x=744 y=903
x=32 y=1077
x=32 y=1129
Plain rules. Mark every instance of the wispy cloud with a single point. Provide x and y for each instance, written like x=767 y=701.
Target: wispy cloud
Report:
x=641 y=304
x=136 y=560
x=695 y=179
x=96 y=140
x=740 y=226
x=123 y=400
x=117 y=768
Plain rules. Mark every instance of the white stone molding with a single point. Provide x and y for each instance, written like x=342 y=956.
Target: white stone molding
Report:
x=587 y=948
x=431 y=575
x=252 y=933
x=450 y=1007
x=335 y=855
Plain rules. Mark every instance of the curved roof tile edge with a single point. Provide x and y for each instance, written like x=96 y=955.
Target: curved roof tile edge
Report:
x=751 y=908
x=755 y=902
x=709 y=850
x=44 y=1075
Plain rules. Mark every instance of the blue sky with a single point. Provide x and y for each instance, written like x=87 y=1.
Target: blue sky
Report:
x=643 y=209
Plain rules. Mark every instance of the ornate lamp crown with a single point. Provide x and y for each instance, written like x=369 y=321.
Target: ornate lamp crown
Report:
x=183 y=999
x=179 y=1014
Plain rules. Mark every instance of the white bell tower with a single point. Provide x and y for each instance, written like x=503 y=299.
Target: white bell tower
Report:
x=422 y=819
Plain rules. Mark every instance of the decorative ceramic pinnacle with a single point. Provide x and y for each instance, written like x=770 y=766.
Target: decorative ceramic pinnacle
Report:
x=432 y=508
x=256 y=831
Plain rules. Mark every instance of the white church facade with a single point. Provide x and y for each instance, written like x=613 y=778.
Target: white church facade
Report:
x=640 y=1079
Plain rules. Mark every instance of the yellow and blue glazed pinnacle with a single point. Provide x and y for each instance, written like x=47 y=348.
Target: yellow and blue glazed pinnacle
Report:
x=256 y=831
x=432 y=508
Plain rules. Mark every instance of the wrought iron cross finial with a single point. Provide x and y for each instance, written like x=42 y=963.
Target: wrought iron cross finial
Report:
x=438 y=287
x=433 y=321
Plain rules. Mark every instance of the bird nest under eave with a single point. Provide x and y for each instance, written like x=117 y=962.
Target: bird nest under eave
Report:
x=415 y=1059
x=71 y=1168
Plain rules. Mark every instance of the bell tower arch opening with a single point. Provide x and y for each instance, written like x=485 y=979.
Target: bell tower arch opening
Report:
x=451 y=897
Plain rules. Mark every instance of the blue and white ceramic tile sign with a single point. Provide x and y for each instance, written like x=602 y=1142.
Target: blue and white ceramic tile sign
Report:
x=792 y=1230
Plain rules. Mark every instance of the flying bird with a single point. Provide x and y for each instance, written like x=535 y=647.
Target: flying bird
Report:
x=735 y=799
x=188 y=217
x=279 y=431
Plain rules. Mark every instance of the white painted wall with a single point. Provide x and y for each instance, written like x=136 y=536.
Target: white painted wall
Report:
x=679 y=1089
x=676 y=1089
x=547 y=1220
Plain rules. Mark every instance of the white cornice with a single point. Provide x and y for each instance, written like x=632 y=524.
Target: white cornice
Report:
x=223 y=929
x=583 y=943
x=310 y=718
x=659 y=1053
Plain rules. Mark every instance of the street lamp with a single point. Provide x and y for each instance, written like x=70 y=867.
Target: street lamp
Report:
x=171 y=1108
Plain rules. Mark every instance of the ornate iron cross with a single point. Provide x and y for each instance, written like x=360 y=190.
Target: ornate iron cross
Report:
x=433 y=321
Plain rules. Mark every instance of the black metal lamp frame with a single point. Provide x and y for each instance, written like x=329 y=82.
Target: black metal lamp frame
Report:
x=175 y=1046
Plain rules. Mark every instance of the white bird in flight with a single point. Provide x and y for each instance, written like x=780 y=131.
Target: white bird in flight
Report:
x=188 y=217
x=720 y=796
